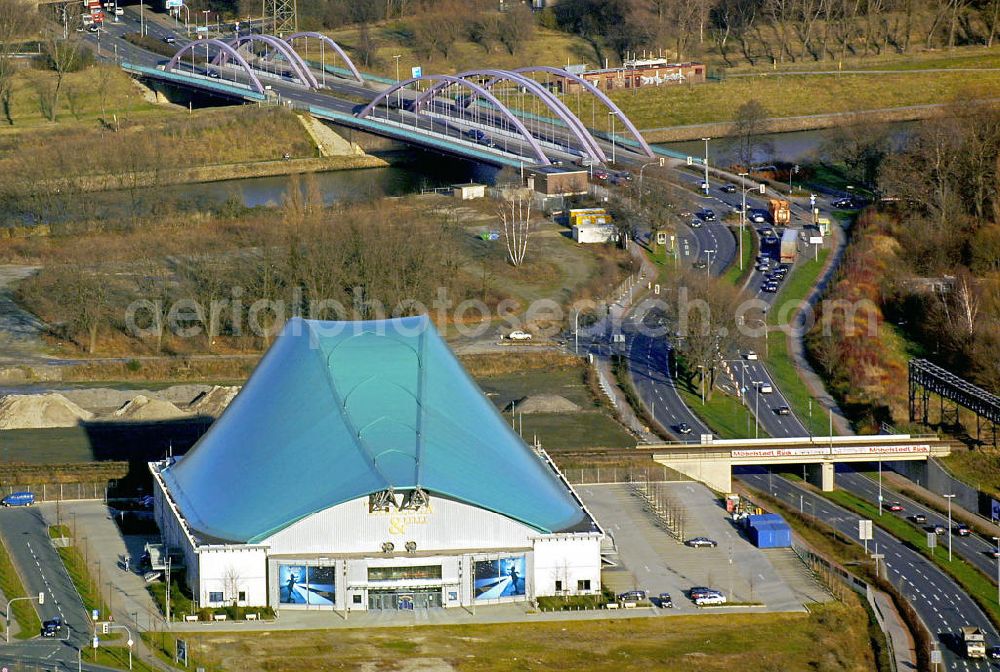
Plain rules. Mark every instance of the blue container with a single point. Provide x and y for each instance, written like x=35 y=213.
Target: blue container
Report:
x=771 y=534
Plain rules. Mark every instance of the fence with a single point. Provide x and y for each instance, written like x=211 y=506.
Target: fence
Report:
x=51 y=492
x=613 y=475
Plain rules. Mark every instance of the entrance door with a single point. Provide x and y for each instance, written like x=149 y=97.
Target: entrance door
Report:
x=404 y=601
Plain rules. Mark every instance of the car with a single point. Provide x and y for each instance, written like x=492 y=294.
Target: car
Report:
x=894 y=506
x=775 y=276
x=623 y=176
x=757 y=217
x=729 y=188
x=765 y=388
x=770 y=287
x=695 y=223
x=632 y=596
x=703 y=186
x=475 y=134
x=939 y=530
x=665 y=601
x=751 y=355
x=694 y=592
x=700 y=264
x=699 y=542
x=683 y=428
x=963 y=530
x=783 y=267
x=763 y=268
x=600 y=174
x=783 y=410
x=92 y=28
x=685 y=213
x=918 y=518
x=993 y=553
x=213 y=74
x=52 y=627
x=845 y=204
x=707 y=215
x=557 y=162
x=519 y=335
x=764 y=259
x=771 y=240
x=119 y=11
x=710 y=600
x=993 y=652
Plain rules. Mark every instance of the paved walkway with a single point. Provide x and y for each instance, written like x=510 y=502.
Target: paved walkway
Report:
x=904 y=650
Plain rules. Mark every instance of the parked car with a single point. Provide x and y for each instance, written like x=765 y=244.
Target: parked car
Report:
x=699 y=542
x=683 y=428
x=24 y=498
x=770 y=287
x=519 y=336
x=700 y=591
x=709 y=600
x=783 y=410
x=729 y=188
x=632 y=596
x=918 y=518
x=963 y=530
x=665 y=601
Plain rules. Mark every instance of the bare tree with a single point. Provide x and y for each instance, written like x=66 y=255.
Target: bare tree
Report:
x=516 y=227
x=64 y=56
x=232 y=581
x=17 y=20
x=749 y=127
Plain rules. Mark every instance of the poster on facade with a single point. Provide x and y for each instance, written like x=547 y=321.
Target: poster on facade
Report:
x=994 y=510
x=499 y=578
x=299 y=584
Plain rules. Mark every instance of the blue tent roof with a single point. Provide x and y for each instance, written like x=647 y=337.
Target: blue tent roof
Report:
x=340 y=410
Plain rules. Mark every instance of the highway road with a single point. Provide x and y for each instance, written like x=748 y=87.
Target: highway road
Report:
x=942 y=605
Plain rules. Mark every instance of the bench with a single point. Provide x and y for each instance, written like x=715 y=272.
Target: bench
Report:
x=611 y=605
x=191 y=619
x=251 y=617
x=219 y=617
x=630 y=605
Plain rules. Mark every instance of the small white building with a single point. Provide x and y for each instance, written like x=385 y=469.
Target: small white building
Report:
x=467 y=192
x=361 y=468
x=595 y=233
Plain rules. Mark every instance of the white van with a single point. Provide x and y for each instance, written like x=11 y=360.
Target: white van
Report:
x=765 y=388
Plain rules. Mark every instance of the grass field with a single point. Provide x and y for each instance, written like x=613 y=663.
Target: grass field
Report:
x=794 y=95
x=724 y=414
x=973 y=581
x=76 y=567
x=832 y=637
x=564 y=431
x=978 y=468
x=733 y=274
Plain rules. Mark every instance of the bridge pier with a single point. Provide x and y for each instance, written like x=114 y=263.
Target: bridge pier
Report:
x=716 y=474
x=826 y=476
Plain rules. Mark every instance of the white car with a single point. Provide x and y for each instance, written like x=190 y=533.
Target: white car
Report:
x=751 y=355
x=519 y=336
x=119 y=11
x=765 y=388
x=710 y=599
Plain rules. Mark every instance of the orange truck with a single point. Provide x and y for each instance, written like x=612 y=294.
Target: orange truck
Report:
x=781 y=212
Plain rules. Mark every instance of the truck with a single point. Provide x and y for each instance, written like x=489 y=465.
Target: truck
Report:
x=780 y=210
x=19 y=499
x=975 y=641
x=789 y=245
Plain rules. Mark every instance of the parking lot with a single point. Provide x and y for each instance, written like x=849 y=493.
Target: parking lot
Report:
x=650 y=559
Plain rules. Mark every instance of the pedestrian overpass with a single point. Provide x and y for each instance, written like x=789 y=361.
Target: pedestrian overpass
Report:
x=712 y=461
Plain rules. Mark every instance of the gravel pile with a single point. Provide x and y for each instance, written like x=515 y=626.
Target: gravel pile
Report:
x=40 y=411
x=214 y=401
x=544 y=403
x=143 y=408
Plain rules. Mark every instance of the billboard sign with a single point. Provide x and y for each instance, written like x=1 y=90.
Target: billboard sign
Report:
x=994 y=510
x=302 y=584
x=174 y=4
x=503 y=577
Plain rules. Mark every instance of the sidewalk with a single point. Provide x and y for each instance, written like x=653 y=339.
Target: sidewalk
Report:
x=904 y=651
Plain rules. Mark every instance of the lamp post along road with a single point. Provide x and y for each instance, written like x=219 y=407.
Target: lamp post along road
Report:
x=706 y=164
x=949 y=498
x=612 y=115
x=743 y=216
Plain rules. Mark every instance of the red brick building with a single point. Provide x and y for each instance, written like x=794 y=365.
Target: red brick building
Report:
x=639 y=73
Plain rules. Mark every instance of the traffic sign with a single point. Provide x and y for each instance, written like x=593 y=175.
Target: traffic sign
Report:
x=94 y=615
x=763 y=188
x=812 y=199
x=931 y=540
x=690 y=161
x=416 y=71
x=96 y=642
x=865 y=530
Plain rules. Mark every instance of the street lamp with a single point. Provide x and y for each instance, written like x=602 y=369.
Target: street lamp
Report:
x=702 y=369
x=658 y=162
x=880 y=487
x=612 y=115
x=949 y=498
x=706 y=164
x=142 y=18
x=708 y=268
x=743 y=215
x=398 y=93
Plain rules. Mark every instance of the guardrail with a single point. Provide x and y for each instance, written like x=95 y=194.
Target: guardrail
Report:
x=203 y=82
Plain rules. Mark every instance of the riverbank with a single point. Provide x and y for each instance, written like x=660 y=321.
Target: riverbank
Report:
x=809 y=122
x=226 y=171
